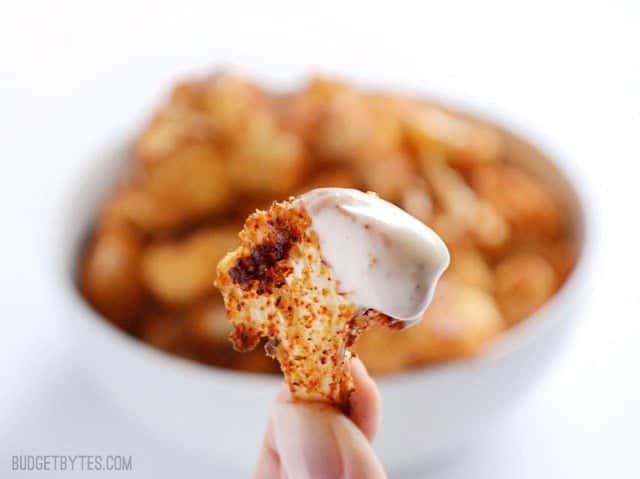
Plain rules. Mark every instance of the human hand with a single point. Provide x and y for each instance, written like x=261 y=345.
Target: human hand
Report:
x=316 y=441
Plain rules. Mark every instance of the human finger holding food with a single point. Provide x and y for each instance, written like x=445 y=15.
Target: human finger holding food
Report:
x=315 y=440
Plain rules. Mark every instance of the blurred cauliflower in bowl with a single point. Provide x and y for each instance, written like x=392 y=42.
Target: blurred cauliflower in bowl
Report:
x=222 y=146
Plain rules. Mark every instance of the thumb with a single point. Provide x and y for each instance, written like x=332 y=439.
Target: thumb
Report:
x=316 y=441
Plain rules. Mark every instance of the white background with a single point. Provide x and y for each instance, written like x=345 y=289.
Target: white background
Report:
x=73 y=74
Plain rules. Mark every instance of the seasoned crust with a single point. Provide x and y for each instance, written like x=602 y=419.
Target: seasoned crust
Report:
x=276 y=285
x=262 y=267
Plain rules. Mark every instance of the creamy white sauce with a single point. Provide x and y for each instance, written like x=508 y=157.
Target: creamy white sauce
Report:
x=384 y=258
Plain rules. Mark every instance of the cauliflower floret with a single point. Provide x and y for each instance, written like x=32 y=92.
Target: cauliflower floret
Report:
x=266 y=159
x=526 y=205
x=434 y=132
x=524 y=282
x=276 y=285
x=461 y=322
x=180 y=272
x=110 y=275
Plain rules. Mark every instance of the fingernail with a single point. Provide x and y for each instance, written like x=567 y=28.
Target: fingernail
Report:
x=305 y=441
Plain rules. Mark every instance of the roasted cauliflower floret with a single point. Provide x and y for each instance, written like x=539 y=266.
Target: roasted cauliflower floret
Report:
x=168 y=194
x=276 y=285
x=110 y=275
x=461 y=322
x=436 y=133
x=530 y=210
x=180 y=272
x=266 y=159
x=524 y=282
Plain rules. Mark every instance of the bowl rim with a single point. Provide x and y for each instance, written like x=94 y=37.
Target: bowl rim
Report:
x=509 y=341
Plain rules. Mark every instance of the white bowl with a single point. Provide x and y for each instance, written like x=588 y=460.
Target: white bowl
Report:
x=427 y=413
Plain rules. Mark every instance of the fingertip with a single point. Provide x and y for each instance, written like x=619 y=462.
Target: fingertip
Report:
x=358 y=456
x=365 y=402
x=284 y=393
x=316 y=440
